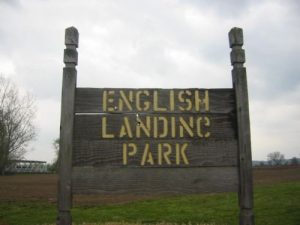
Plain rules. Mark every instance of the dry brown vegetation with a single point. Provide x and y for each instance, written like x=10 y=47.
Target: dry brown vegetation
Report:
x=272 y=175
x=43 y=187
x=28 y=191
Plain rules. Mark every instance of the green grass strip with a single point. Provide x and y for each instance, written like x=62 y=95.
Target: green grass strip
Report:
x=274 y=205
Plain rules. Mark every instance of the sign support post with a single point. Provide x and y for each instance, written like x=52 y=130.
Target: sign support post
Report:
x=239 y=78
x=186 y=140
x=66 y=127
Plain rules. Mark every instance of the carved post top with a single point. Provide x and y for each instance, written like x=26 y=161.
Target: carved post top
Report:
x=71 y=36
x=236 y=41
x=236 y=37
x=71 y=42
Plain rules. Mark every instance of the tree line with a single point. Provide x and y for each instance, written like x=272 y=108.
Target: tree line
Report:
x=277 y=159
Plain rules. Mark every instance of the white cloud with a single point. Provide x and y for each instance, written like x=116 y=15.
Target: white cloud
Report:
x=6 y=66
x=276 y=125
x=47 y=124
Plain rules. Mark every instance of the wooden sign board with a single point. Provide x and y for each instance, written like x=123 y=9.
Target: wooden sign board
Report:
x=154 y=141
x=145 y=141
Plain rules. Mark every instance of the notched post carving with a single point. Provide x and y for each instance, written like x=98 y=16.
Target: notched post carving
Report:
x=236 y=42
x=66 y=127
x=239 y=78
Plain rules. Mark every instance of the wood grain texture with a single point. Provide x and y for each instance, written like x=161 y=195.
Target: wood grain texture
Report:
x=66 y=128
x=244 y=138
x=90 y=100
x=89 y=127
x=102 y=153
x=239 y=78
x=89 y=180
x=66 y=137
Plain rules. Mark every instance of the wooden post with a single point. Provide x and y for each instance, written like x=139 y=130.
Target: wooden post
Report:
x=239 y=78
x=66 y=127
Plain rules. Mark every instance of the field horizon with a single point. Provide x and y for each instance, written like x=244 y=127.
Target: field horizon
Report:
x=276 y=194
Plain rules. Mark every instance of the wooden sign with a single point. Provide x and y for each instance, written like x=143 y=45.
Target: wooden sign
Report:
x=154 y=141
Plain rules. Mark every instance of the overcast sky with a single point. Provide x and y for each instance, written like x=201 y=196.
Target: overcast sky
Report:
x=163 y=44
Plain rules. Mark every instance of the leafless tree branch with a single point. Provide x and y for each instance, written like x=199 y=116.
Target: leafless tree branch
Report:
x=17 y=112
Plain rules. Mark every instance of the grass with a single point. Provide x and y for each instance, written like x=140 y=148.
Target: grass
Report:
x=275 y=204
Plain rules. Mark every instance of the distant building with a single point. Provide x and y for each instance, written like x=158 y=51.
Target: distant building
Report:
x=27 y=166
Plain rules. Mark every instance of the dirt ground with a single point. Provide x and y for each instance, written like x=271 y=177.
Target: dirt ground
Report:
x=276 y=175
x=43 y=187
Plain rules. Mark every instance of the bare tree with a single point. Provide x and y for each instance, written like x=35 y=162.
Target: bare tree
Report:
x=276 y=158
x=55 y=144
x=17 y=112
x=294 y=161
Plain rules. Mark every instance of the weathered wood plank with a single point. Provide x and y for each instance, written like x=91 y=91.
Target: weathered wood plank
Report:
x=66 y=137
x=244 y=139
x=204 y=126
x=90 y=100
x=239 y=79
x=180 y=153
x=140 y=181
